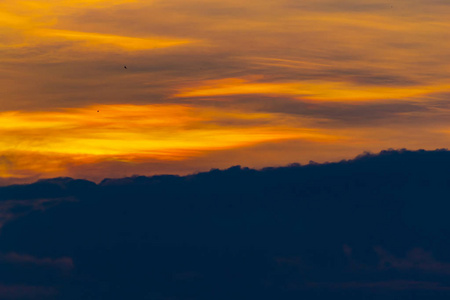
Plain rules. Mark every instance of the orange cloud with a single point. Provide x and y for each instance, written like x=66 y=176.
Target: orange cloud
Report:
x=311 y=90
x=127 y=43
x=133 y=133
x=349 y=52
x=35 y=23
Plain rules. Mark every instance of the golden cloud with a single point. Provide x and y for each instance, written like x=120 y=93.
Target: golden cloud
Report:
x=308 y=90
x=35 y=23
x=134 y=133
x=124 y=42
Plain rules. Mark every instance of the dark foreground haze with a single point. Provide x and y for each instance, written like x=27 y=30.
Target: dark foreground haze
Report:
x=376 y=227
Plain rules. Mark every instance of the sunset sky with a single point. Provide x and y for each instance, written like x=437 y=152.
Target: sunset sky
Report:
x=211 y=84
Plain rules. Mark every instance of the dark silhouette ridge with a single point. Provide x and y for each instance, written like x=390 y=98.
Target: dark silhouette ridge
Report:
x=375 y=227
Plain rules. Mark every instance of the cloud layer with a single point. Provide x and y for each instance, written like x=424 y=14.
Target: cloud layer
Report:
x=370 y=71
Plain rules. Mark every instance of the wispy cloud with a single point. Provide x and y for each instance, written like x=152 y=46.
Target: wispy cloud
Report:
x=394 y=285
x=373 y=72
x=308 y=90
x=416 y=259
x=125 y=42
x=133 y=133
x=26 y=291
x=64 y=263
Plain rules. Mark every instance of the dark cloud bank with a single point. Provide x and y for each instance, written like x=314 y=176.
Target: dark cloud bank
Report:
x=376 y=227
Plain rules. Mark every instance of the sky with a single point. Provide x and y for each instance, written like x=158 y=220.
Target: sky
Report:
x=211 y=84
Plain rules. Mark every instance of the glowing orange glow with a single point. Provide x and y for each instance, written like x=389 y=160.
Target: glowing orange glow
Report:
x=38 y=27
x=129 y=43
x=7 y=19
x=255 y=83
x=311 y=90
x=287 y=63
x=130 y=133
